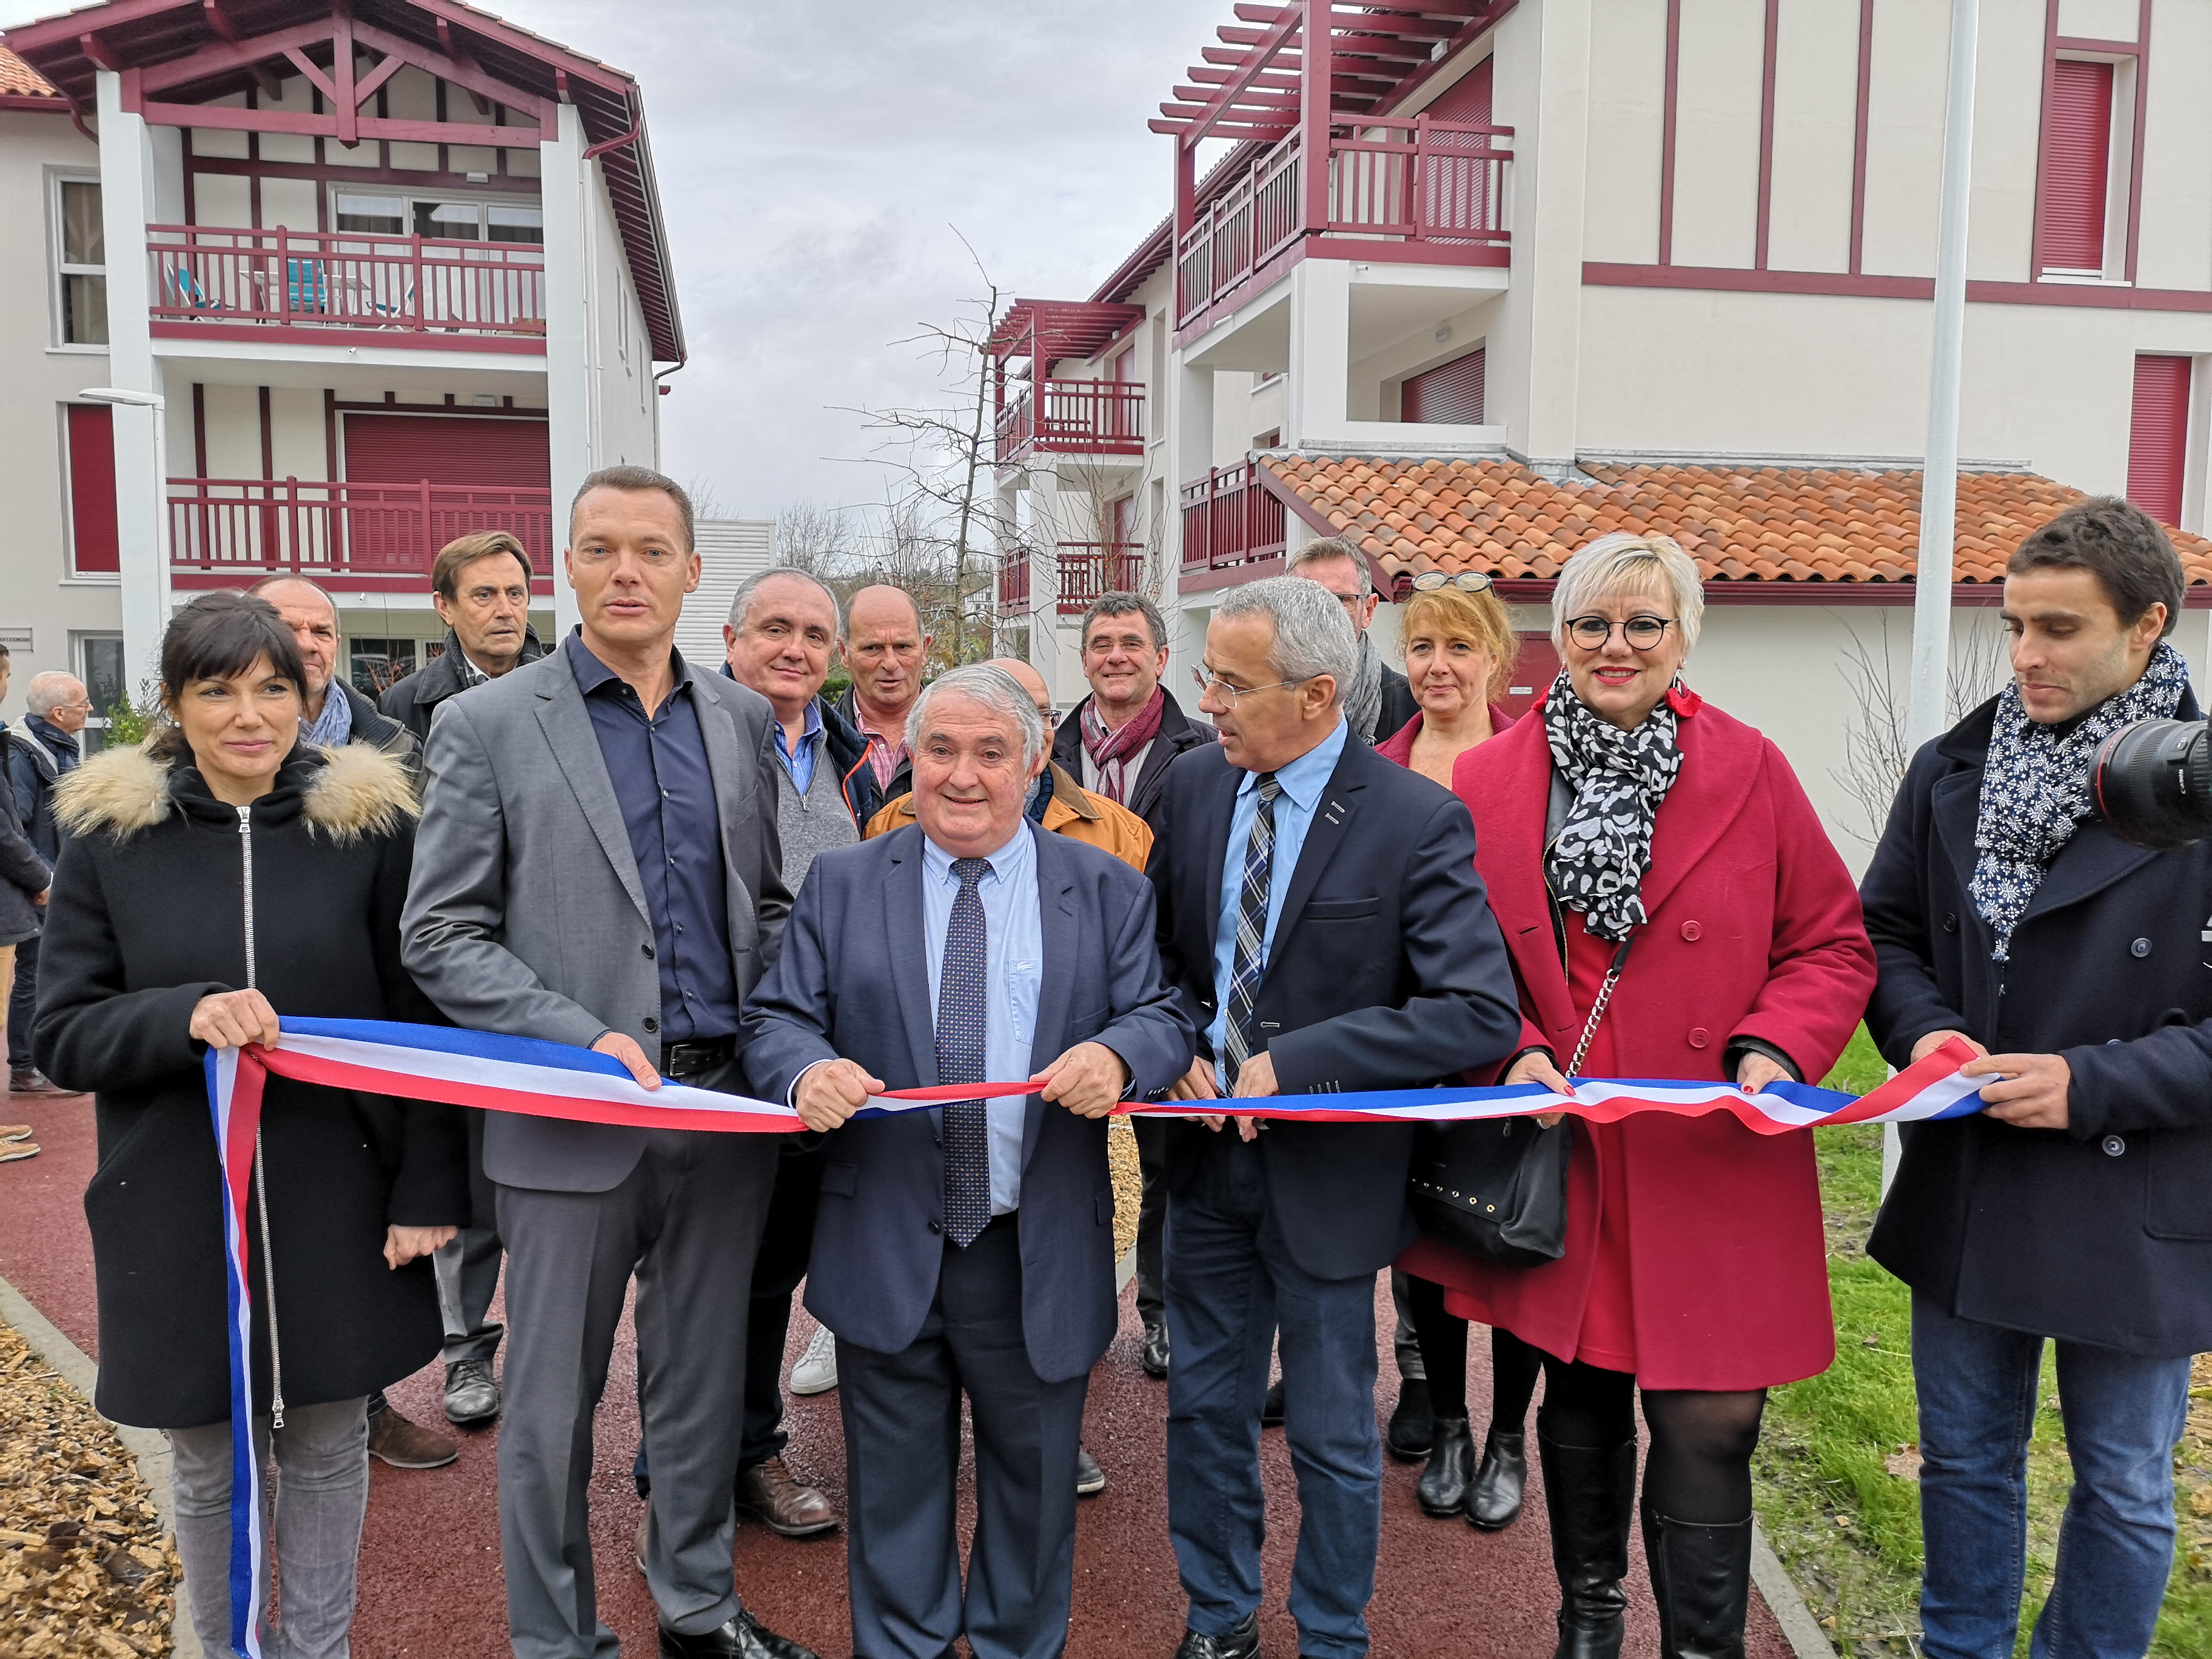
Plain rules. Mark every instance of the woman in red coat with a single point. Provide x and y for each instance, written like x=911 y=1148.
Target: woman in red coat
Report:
x=1631 y=814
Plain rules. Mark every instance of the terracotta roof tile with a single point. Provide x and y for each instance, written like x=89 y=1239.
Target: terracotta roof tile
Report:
x=1753 y=523
x=20 y=80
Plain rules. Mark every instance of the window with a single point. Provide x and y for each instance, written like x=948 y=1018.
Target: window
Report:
x=81 y=240
x=98 y=661
x=379 y=665
x=93 y=543
x=2077 y=160
x=2157 y=436
x=444 y=219
x=1451 y=393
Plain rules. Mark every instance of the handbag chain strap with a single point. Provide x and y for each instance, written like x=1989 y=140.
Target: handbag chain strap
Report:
x=1597 y=1007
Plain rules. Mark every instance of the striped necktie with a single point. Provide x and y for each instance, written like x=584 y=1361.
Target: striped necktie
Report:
x=963 y=984
x=1250 y=960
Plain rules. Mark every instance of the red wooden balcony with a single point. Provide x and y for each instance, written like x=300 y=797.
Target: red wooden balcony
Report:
x=1014 y=581
x=1437 y=186
x=1229 y=518
x=201 y=276
x=1088 y=569
x=226 y=532
x=1073 y=417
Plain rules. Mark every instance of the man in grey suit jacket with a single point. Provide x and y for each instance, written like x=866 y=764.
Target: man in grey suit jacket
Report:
x=598 y=865
x=967 y=1248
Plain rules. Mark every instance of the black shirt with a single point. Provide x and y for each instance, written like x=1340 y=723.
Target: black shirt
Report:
x=658 y=769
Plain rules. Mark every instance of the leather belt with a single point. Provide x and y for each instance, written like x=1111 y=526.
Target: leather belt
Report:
x=690 y=1058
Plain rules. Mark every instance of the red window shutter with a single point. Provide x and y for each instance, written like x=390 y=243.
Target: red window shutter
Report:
x=1469 y=99
x=2077 y=150
x=1450 y=391
x=2157 y=436
x=488 y=454
x=92 y=486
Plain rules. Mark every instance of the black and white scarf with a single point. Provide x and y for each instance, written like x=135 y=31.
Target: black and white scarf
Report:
x=1597 y=863
x=2035 y=787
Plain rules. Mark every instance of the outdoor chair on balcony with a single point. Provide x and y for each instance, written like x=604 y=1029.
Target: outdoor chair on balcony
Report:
x=307 y=287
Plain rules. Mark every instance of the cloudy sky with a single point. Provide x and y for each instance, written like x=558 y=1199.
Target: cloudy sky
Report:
x=815 y=157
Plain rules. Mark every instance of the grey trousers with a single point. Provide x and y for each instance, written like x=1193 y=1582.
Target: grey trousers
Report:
x=468 y=1268
x=313 y=1514
x=687 y=1222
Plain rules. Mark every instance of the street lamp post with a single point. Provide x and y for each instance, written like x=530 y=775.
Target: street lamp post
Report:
x=145 y=592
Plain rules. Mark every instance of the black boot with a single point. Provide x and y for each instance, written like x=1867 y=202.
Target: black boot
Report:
x=1443 y=1485
x=1700 y=1577
x=1590 y=1491
x=1495 y=1502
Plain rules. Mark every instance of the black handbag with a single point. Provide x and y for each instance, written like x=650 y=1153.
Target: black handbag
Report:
x=1496 y=1187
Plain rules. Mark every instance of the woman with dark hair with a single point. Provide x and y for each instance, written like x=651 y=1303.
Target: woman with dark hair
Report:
x=217 y=876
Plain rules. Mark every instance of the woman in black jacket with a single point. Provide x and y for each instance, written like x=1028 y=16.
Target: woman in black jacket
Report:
x=217 y=876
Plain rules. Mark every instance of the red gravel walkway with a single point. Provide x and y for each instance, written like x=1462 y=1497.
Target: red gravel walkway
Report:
x=430 y=1573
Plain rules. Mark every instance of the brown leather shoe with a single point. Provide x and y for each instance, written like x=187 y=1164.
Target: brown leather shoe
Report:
x=637 y=1553
x=783 y=1503
x=406 y=1446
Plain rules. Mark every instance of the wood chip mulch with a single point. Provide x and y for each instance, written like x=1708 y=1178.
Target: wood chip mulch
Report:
x=1128 y=1182
x=84 y=1568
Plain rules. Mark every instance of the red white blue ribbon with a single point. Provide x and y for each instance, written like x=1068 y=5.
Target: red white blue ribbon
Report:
x=552 y=1079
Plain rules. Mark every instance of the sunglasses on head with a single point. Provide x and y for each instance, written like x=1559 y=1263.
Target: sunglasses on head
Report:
x=1467 y=581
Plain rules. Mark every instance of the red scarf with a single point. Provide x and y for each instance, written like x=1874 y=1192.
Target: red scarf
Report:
x=1108 y=749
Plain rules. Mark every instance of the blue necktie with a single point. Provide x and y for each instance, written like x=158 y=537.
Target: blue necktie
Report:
x=1249 y=962
x=962 y=1019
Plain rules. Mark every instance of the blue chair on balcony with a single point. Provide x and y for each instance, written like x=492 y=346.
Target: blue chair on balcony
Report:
x=306 y=286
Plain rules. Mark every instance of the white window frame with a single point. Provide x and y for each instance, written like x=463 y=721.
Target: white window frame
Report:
x=97 y=720
x=2120 y=163
x=58 y=269
x=351 y=187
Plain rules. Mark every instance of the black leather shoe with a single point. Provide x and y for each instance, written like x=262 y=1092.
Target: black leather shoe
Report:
x=1271 y=1409
x=472 y=1396
x=1153 y=1356
x=1089 y=1479
x=1443 y=1485
x=1241 y=1643
x=1499 y=1483
x=738 y=1637
x=1411 y=1423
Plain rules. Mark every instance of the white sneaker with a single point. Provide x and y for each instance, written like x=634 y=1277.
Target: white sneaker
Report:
x=816 y=1370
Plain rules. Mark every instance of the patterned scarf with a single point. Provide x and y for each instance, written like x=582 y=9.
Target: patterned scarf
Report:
x=1363 y=698
x=333 y=727
x=1111 y=752
x=1598 y=863
x=2035 y=787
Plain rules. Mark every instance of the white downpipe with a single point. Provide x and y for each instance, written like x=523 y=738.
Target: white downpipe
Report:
x=1927 y=713
x=571 y=387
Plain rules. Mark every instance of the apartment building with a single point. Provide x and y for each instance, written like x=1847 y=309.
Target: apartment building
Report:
x=351 y=278
x=1476 y=280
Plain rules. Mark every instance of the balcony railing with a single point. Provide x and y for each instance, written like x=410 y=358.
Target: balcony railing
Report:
x=311 y=279
x=248 y=527
x=1390 y=178
x=1088 y=569
x=1229 y=519
x=1079 y=417
x=1014 y=580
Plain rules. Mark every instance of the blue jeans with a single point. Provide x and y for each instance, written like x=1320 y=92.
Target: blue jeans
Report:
x=1231 y=1282
x=2123 y=1415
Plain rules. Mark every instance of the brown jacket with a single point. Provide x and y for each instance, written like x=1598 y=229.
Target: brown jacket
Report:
x=1074 y=811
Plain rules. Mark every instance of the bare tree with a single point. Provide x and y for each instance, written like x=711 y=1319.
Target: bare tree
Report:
x=815 y=538
x=1875 y=753
x=705 y=502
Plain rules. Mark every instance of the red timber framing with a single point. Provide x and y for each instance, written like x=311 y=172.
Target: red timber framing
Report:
x=175 y=56
x=1034 y=413
x=1760 y=277
x=1309 y=91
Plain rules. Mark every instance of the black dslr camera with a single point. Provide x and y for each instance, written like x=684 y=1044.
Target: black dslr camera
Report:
x=2152 y=782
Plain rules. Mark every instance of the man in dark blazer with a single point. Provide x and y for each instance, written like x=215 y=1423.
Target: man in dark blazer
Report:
x=2077 y=1206
x=598 y=865
x=1321 y=922
x=967 y=1248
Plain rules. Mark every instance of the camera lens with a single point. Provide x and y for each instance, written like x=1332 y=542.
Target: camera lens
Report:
x=2152 y=782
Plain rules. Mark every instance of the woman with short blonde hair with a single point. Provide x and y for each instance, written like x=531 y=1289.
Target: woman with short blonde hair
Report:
x=1460 y=647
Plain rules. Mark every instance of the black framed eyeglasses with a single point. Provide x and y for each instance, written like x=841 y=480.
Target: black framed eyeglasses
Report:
x=1642 y=632
x=1467 y=581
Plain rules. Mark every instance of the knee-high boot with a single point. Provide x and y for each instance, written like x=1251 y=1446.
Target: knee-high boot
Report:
x=1590 y=1493
x=1700 y=1577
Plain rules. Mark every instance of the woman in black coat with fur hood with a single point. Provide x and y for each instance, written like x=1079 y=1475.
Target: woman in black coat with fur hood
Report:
x=222 y=856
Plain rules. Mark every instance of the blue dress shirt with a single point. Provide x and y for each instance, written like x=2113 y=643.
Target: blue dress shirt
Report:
x=1302 y=782
x=801 y=765
x=1014 y=930
x=658 y=769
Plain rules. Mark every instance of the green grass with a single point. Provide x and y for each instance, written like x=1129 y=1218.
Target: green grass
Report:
x=1846 y=1525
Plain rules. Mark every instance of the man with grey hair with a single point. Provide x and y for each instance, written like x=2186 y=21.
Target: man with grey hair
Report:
x=1321 y=922
x=966 y=1249
x=335 y=714
x=41 y=753
x=1377 y=700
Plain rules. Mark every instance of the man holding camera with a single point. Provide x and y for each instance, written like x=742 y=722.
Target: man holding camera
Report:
x=2074 y=1207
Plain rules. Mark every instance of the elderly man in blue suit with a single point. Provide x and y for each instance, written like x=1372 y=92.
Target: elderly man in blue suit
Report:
x=967 y=1248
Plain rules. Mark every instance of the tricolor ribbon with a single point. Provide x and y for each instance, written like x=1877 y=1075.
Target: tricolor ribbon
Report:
x=552 y=1079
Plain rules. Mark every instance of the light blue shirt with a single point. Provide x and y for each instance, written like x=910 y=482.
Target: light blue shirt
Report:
x=1302 y=782
x=801 y=765
x=1013 y=933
